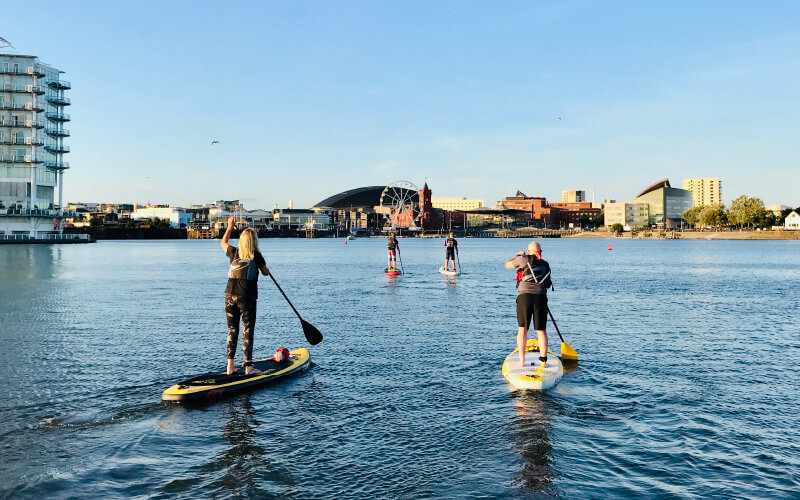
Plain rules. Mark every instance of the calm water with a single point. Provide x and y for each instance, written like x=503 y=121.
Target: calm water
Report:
x=687 y=384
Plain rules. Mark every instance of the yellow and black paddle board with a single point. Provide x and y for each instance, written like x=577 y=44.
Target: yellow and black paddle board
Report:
x=211 y=386
x=523 y=377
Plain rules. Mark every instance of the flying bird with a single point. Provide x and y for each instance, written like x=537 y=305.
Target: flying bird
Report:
x=214 y=142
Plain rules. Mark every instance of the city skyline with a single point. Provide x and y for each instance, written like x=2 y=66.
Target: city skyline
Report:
x=561 y=97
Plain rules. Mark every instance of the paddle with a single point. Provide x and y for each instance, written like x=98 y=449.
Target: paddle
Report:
x=461 y=271
x=567 y=352
x=402 y=270
x=313 y=335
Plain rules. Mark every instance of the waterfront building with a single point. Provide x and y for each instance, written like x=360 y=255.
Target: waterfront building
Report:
x=32 y=146
x=177 y=217
x=573 y=196
x=288 y=219
x=456 y=203
x=659 y=205
x=792 y=221
x=704 y=191
x=629 y=214
x=568 y=214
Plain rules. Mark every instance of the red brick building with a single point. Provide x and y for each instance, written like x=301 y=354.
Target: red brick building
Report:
x=556 y=214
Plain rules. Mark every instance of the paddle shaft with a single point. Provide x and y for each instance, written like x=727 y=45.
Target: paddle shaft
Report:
x=554 y=323
x=459 y=263
x=285 y=297
x=399 y=256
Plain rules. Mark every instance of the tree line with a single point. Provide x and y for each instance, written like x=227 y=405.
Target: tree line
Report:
x=745 y=211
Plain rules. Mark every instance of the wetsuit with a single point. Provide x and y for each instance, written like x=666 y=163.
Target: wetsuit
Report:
x=532 y=291
x=241 y=295
x=452 y=245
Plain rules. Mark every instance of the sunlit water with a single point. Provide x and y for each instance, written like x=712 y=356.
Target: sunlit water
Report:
x=687 y=384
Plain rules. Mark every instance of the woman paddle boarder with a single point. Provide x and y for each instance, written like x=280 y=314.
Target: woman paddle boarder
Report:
x=241 y=293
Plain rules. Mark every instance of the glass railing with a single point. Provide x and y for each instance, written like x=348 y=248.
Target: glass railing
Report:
x=58 y=100
x=22 y=159
x=21 y=141
x=58 y=117
x=30 y=70
x=21 y=123
x=56 y=148
x=60 y=84
x=55 y=132
x=59 y=165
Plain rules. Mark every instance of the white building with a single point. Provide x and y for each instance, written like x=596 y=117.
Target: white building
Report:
x=453 y=204
x=32 y=146
x=175 y=216
x=630 y=214
x=792 y=221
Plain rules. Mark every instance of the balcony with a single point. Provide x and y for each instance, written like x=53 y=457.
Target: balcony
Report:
x=57 y=100
x=27 y=106
x=31 y=89
x=21 y=123
x=57 y=132
x=57 y=148
x=22 y=159
x=57 y=165
x=57 y=117
x=60 y=84
x=22 y=141
x=30 y=71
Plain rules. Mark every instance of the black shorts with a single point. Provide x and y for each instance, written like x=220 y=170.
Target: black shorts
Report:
x=535 y=306
x=451 y=254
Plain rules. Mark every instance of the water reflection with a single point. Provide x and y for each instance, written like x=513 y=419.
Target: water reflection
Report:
x=532 y=428
x=28 y=262
x=246 y=465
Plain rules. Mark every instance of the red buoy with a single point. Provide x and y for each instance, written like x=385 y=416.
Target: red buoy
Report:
x=609 y=246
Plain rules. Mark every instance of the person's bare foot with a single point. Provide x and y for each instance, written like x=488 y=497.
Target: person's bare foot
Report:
x=252 y=371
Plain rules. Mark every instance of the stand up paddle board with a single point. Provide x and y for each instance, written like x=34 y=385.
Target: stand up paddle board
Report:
x=523 y=378
x=210 y=386
x=444 y=271
x=392 y=272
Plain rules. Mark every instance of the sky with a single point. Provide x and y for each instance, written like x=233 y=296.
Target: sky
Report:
x=481 y=99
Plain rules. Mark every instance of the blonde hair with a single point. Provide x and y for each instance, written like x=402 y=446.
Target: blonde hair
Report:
x=248 y=244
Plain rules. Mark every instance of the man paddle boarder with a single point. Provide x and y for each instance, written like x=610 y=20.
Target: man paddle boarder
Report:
x=531 y=299
x=391 y=246
x=451 y=246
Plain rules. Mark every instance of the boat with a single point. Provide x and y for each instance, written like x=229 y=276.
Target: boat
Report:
x=524 y=378
x=211 y=386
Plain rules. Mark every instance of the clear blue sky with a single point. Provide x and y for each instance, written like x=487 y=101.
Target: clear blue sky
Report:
x=312 y=98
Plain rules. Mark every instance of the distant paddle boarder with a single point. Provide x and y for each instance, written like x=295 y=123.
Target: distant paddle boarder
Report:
x=392 y=245
x=451 y=246
x=241 y=294
x=533 y=280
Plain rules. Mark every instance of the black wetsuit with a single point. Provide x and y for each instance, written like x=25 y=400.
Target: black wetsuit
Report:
x=452 y=246
x=241 y=296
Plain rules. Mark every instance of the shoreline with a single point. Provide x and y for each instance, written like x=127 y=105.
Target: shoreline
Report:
x=698 y=235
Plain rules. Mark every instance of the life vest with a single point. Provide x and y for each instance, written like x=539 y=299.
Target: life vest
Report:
x=243 y=269
x=535 y=272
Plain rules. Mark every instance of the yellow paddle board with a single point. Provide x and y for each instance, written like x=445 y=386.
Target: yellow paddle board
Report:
x=523 y=377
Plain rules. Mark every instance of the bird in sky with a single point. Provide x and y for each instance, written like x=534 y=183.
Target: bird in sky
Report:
x=214 y=142
x=559 y=117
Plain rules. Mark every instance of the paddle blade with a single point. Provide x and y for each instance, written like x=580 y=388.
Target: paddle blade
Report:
x=313 y=336
x=568 y=353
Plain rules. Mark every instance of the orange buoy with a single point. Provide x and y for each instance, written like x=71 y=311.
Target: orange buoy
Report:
x=609 y=246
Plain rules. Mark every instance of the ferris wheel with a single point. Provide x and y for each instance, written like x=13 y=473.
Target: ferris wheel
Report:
x=401 y=198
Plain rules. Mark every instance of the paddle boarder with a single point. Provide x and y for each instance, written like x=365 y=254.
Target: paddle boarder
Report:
x=241 y=294
x=451 y=246
x=391 y=246
x=532 y=285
